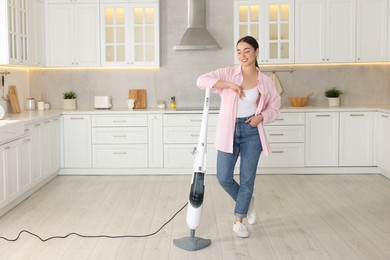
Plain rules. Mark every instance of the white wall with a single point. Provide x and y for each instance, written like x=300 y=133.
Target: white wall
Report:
x=362 y=84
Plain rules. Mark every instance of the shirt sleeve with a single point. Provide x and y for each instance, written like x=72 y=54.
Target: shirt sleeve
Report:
x=208 y=80
x=271 y=107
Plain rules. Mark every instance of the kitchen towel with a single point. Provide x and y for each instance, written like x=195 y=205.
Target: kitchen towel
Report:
x=276 y=82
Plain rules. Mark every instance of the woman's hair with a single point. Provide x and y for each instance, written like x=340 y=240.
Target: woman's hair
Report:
x=252 y=42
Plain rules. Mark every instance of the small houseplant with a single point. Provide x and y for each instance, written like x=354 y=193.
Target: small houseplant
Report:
x=70 y=101
x=333 y=95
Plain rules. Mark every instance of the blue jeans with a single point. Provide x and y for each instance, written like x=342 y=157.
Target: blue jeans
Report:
x=247 y=144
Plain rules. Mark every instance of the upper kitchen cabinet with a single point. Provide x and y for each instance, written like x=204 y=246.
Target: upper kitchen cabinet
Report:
x=13 y=26
x=36 y=43
x=371 y=34
x=73 y=33
x=325 y=31
x=130 y=34
x=271 y=22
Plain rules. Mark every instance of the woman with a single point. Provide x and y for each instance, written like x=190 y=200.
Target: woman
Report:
x=248 y=101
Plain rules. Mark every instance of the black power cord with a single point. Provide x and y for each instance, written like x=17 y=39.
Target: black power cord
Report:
x=93 y=236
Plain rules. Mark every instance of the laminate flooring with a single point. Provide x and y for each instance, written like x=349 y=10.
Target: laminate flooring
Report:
x=299 y=217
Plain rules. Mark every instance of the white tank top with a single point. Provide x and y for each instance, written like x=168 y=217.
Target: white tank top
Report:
x=247 y=104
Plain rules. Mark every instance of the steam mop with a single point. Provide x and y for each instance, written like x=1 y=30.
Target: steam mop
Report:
x=194 y=208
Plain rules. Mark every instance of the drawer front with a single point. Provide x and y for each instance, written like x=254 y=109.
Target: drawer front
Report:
x=186 y=135
x=181 y=156
x=290 y=119
x=119 y=135
x=189 y=120
x=119 y=120
x=285 y=134
x=120 y=156
x=284 y=155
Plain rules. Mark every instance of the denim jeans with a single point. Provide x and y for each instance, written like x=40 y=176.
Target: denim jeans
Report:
x=247 y=144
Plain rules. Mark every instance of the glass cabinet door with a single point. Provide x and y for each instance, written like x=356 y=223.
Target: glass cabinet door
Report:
x=144 y=34
x=279 y=31
x=114 y=34
x=270 y=22
x=17 y=31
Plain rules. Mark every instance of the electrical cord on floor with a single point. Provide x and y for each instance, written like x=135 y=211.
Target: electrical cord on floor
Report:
x=93 y=236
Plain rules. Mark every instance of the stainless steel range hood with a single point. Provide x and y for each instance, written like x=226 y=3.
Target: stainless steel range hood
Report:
x=196 y=37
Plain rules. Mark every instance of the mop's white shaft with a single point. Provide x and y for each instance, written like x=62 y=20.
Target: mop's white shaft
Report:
x=194 y=212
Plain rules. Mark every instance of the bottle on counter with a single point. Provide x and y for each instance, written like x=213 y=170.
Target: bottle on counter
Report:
x=173 y=102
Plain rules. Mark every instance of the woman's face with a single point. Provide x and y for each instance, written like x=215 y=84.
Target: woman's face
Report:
x=246 y=54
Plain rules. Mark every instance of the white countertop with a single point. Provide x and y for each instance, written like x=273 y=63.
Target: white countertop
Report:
x=32 y=116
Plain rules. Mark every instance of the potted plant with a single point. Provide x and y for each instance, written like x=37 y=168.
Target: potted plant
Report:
x=333 y=95
x=69 y=101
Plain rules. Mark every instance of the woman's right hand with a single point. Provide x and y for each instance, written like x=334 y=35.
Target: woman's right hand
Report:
x=226 y=84
x=237 y=89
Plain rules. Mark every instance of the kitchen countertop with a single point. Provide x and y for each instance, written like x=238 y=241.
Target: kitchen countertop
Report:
x=32 y=116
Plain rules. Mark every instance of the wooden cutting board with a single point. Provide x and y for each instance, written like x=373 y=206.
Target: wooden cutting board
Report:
x=13 y=99
x=139 y=95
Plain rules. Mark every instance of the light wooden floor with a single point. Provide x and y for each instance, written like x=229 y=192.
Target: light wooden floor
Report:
x=300 y=217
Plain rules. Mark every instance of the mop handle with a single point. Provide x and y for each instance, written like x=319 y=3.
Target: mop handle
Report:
x=201 y=150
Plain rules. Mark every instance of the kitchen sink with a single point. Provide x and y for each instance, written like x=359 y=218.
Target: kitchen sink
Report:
x=10 y=129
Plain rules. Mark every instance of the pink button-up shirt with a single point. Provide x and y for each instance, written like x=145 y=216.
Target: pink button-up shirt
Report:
x=268 y=105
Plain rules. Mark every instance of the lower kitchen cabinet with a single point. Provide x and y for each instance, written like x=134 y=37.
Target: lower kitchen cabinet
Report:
x=286 y=137
x=383 y=141
x=119 y=141
x=45 y=147
x=356 y=139
x=322 y=139
x=77 y=141
x=181 y=134
x=10 y=156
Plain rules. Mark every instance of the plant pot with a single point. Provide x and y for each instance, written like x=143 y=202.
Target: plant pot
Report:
x=69 y=104
x=334 y=102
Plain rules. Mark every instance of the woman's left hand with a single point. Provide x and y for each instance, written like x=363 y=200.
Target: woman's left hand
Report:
x=255 y=120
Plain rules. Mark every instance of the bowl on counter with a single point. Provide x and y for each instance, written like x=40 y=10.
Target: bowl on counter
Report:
x=299 y=101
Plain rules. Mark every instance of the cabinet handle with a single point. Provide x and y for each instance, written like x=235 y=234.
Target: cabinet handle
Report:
x=7 y=148
x=77 y=118
x=119 y=152
x=36 y=125
x=196 y=120
x=279 y=119
x=194 y=135
x=277 y=151
x=385 y=116
x=119 y=136
x=119 y=121
x=322 y=115
x=26 y=140
x=276 y=134
x=26 y=130
x=46 y=122
x=356 y=114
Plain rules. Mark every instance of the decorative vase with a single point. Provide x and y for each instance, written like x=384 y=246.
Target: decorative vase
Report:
x=334 y=102
x=69 y=104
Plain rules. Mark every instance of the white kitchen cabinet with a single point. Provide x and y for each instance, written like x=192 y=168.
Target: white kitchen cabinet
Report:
x=3 y=178
x=54 y=144
x=24 y=163
x=181 y=135
x=119 y=141
x=325 y=31
x=286 y=137
x=155 y=141
x=130 y=34
x=44 y=149
x=322 y=139
x=36 y=28
x=11 y=170
x=371 y=31
x=356 y=139
x=383 y=141
x=271 y=22
x=74 y=33
x=14 y=29
x=77 y=141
